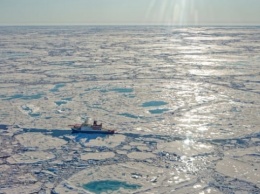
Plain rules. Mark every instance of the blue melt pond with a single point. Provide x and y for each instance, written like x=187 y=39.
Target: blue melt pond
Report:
x=14 y=55
x=129 y=115
x=24 y=97
x=2 y=96
x=63 y=101
x=34 y=114
x=158 y=111
x=154 y=103
x=122 y=90
x=64 y=63
x=95 y=88
x=57 y=87
x=60 y=102
x=108 y=186
x=129 y=95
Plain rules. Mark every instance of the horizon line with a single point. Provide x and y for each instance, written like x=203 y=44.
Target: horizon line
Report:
x=169 y=25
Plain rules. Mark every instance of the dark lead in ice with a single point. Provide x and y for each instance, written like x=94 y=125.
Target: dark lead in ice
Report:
x=4 y=127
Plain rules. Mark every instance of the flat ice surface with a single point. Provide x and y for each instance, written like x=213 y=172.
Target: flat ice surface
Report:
x=185 y=103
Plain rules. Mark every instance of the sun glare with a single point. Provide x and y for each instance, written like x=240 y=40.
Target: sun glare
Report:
x=173 y=12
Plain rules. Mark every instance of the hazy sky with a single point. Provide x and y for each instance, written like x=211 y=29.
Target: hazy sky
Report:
x=128 y=12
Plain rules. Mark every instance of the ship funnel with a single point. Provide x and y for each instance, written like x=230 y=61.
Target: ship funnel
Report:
x=86 y=120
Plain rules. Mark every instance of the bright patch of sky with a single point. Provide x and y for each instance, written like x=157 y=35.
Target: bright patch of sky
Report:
x=129 y=12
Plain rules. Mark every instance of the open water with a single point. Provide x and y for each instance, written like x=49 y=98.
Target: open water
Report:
x=184 y=101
